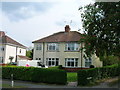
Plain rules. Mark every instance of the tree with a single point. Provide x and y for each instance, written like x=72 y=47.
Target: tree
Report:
x=29 y=53
x=11 y=58
x=101 y=23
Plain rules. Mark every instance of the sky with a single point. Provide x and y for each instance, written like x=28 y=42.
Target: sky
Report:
x=29 y=21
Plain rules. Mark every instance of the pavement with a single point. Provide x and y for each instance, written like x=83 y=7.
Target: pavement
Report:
x=26 y=84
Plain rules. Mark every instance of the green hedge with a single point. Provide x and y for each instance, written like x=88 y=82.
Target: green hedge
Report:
x=33 y=74
x=85 y=77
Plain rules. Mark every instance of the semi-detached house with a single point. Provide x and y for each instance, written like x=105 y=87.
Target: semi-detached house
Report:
x=11 y=50
x=63 y=48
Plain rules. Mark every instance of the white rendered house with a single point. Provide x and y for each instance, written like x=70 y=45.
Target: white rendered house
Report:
x=10 y=50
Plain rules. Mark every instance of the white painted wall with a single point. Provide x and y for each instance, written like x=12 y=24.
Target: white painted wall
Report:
x=10 y=50
x=2 y=53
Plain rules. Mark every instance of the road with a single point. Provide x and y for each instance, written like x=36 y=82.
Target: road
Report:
x=26 y=84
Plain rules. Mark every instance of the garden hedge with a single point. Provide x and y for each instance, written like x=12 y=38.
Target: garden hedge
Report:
x=33 y=74
x=88 y=76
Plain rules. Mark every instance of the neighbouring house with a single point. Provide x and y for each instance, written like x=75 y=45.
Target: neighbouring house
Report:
x=11 y=50
x=63 y=48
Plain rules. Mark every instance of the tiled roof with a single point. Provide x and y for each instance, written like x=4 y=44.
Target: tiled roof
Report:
x=6 y=39
x=70 y=36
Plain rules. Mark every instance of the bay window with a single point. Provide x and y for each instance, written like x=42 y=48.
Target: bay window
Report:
x=52 y=61
x=71 y=62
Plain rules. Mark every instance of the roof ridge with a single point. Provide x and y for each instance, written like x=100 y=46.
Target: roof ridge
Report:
x=7 y=39
x=61 y=37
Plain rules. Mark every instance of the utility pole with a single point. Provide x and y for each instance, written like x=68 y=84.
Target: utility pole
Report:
x=12 y=82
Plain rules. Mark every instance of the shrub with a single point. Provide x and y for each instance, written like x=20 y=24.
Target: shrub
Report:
x=35 y=74
x=110 y=60
x=85 y=77
x=92 y=66
x=60 y=67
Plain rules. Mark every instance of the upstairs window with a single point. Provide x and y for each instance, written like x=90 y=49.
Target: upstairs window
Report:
x=52 y=47
x=20 y=50
x=72 y=47
x=1 y=48
x=38 y=47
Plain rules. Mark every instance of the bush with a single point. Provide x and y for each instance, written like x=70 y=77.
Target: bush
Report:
x=60 y=67
x=35 y=74
x=92 y=66
x=110 y=60
x=85 y=77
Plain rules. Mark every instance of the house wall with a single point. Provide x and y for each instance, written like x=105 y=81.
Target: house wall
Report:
x=62 y=54
x=2 y=52
x=10 y=50
x=96 y=61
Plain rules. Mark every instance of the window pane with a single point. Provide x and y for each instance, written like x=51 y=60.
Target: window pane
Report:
x=56 y=63
x=49 y=63
x=68 y=63
x=53 y=63
x=72 y=64
x=76 y=64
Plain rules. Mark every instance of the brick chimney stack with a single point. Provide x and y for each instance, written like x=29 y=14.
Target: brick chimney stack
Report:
x=67 y=28
x=2 y=33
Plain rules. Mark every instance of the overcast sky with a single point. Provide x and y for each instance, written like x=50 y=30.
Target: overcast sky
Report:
x=29 y=21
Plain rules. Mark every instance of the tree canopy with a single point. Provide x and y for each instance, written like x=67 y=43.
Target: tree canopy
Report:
x=101 y=23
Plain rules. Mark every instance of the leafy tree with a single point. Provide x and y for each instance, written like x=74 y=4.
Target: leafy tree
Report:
x=29 y=54
x=101 y=23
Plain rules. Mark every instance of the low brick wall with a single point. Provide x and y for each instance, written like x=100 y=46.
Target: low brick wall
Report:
x=73 y=69
x=3 y=64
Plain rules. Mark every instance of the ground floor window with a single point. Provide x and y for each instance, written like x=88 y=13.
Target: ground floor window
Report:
x=38 y=58
x=52 y=61
x=1 y=59
x=71 y=62
x=88 y=62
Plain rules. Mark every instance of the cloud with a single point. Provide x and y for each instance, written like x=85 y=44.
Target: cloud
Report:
x=27 y=22
x=24 y=10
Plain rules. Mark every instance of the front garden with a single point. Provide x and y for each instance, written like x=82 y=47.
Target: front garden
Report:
x=54 y=75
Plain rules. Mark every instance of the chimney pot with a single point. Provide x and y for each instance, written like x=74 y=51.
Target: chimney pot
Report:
x=2 y=33
x=67 y=28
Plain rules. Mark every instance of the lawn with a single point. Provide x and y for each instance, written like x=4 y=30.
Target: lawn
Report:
x=71 y=76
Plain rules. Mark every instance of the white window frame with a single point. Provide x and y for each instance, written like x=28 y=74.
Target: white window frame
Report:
x=71 y=61
x=38 y=47
x=72 y=46
x=88 y=62
x=53 y=47
x=51 y=60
